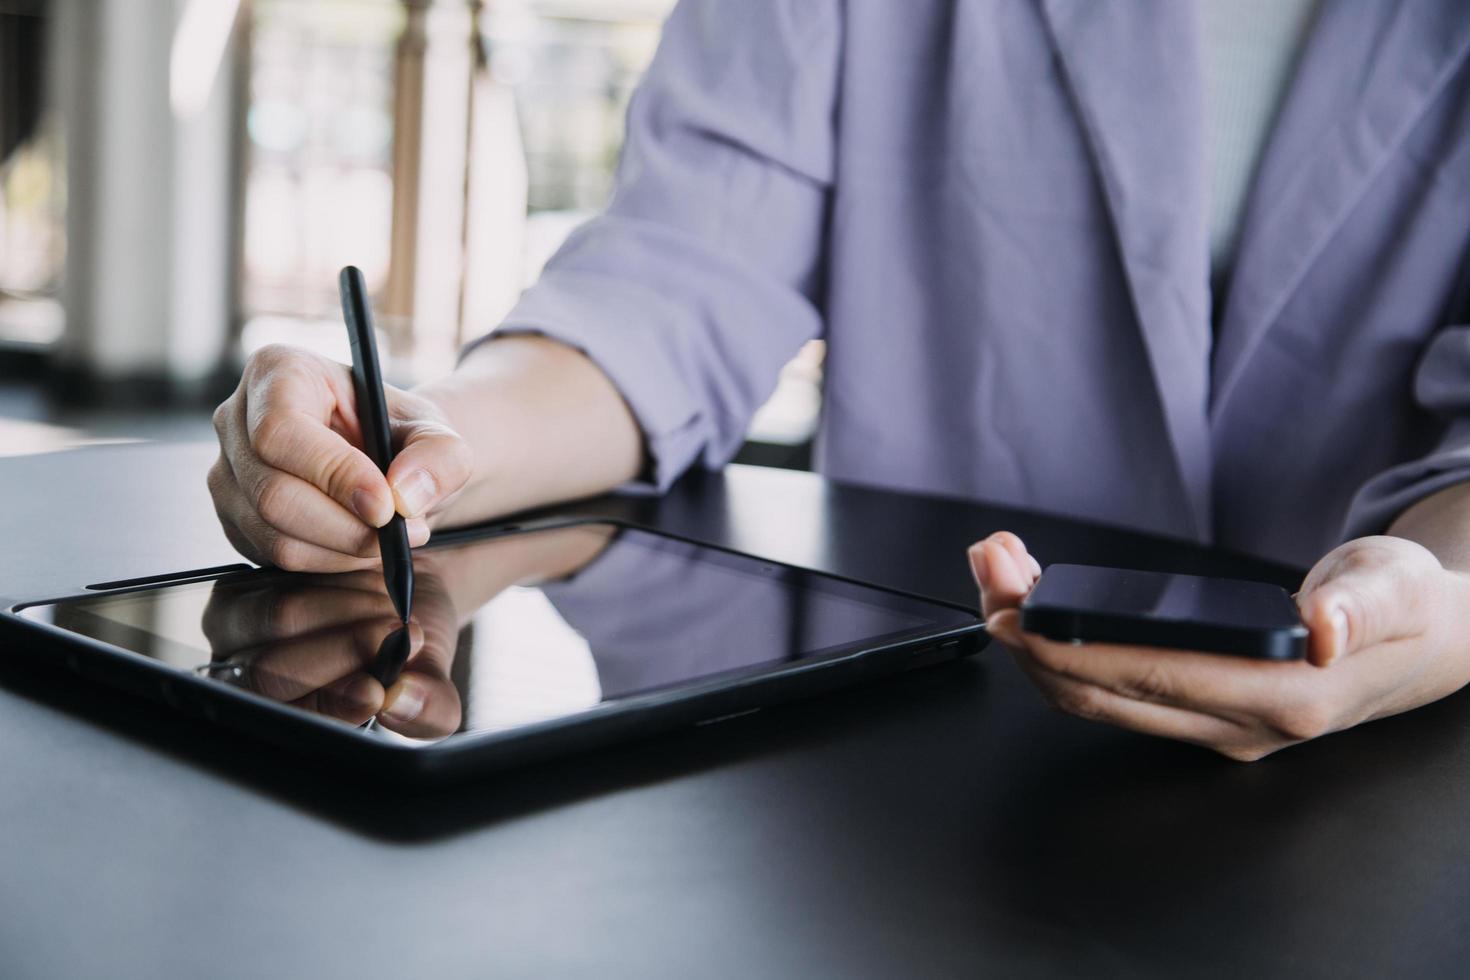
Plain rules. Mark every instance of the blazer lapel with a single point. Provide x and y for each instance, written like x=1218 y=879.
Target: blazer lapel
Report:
x=1366 y=75
x=1133 y=74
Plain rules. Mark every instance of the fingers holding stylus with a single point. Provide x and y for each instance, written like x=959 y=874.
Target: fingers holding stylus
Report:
x=290 y=489
x=291 y=507
x=290 y=400
x=263 y=545
x=296 y=529
x=432 y=465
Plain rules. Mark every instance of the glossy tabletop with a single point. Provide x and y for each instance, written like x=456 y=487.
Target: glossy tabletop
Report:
x=942 y=823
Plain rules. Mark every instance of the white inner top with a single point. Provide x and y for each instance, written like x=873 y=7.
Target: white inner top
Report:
x=1250 y=50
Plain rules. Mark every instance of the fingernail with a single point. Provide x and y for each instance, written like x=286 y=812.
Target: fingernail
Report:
x=365 y=505
x=407 y=704
x=1339 y=633
x=980 y=566
x=1035 y=567
x=415 y=492
x=418 y=532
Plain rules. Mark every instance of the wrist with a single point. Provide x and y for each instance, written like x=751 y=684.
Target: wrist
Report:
x=466 y=405
x=543 y=423
x=1439 y=522
x=1447 y=656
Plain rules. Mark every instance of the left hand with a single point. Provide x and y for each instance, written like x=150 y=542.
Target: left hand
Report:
x=1388 y=633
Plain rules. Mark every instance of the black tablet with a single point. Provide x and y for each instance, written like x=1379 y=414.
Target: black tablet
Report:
x=525 y=642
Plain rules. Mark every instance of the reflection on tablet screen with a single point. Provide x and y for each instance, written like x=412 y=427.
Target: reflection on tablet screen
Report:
x=506 y=631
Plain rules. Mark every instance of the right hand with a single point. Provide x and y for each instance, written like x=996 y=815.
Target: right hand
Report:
x=293 y=487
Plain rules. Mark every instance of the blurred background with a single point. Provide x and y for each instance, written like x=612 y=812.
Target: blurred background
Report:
x=180 y=181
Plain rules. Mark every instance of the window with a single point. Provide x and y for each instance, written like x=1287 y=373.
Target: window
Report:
x=32 y=183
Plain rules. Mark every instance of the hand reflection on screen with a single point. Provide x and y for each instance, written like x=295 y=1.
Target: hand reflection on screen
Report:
x=322 y=642
x=314 y=642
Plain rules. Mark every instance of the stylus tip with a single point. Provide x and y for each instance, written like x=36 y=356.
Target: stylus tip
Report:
x=392 y=655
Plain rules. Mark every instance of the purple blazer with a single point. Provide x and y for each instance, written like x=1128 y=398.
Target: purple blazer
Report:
x=994 y=212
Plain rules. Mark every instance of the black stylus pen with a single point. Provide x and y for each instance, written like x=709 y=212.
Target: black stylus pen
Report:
x=372 y=418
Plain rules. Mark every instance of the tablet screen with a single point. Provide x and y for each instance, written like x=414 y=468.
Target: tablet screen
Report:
x=506 y=631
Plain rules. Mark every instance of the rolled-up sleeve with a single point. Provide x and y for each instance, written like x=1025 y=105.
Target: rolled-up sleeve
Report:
x=1442 y=389
x=702 y=277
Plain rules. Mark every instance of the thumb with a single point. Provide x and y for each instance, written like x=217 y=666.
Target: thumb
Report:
x=1003 y=569
x=1365 y=598
x=432 y=463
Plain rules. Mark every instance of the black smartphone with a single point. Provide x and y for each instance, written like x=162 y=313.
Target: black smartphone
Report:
x=1082 y=603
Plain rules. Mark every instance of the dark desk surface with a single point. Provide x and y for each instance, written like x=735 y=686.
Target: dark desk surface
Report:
x=944 y=823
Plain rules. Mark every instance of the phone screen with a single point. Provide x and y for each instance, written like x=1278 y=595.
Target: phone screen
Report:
x=1116 y=605
x=1162 y=595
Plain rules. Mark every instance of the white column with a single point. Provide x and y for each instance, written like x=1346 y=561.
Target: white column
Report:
x=149 y=130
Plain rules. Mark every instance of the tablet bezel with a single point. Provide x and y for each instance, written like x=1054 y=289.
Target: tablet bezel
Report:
x=466 y=754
